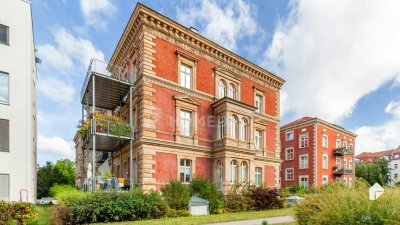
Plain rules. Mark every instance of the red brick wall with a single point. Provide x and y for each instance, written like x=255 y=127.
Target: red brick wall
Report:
x=166 y=167
x=204 y=168
x=269 y=176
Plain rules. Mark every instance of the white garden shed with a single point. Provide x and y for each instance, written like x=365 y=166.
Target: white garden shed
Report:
x=198 y=206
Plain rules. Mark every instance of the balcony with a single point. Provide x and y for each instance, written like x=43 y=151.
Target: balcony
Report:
x=102 y=157
x=343 y=151
x=340 y=172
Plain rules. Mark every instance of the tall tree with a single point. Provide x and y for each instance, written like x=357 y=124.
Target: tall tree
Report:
x=374 y=172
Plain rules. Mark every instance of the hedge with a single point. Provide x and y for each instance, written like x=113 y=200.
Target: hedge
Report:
x=22 y=212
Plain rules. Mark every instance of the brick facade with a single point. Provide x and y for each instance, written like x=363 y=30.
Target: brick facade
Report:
x=323 y=158
x=158 y=47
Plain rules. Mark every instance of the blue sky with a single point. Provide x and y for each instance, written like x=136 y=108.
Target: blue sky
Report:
x=340 y=60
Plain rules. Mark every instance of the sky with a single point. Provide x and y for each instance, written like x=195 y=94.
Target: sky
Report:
x=340 y=59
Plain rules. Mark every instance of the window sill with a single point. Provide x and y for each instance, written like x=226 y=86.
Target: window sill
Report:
x=289 y=159
x=303 y=168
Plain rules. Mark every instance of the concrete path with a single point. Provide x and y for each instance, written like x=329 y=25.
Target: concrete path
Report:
x=270 y=220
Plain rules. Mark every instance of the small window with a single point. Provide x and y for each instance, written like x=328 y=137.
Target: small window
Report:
x=324 y=161
x=396 y=166
x=232 y=91
x=345 y=164
x=303 y=181
x=344 y=181
x=4 y=87
x=234 y=127
x=345 y=144
x=233 y=171
x=289 y=174
x=186 y=76
x=303 y=140
x=258 y=103
x=324 y=179
x=4 y=135
x=289 y=136
x=4 y=187
x=258 y=176
x=244 y=130
x=350 y=182
x=338 y=143
x=303 y=164
x=289 y=154
x=244 y=172
x=221 y=88
x=338 y=163
x=4 y=34
x=186 y=123
x=325 y=141
x=185 y=170
x=221 y=127
x=219 y=173
x=258 y=139
x=350 y=164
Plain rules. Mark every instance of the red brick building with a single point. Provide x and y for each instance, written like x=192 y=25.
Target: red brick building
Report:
x=315 y=152
x=372 y=156
x=198 y=109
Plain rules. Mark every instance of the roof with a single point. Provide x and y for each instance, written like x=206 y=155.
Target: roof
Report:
x=198 y=200
x=307 y=119
x=371 y=156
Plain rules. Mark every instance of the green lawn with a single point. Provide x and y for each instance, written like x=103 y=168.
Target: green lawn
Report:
x=194 y=220
x=44 y=212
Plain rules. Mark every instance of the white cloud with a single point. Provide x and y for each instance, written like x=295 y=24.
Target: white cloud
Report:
x=56 y=147
x=224 y=24
x=332 y=53
x=97 y=12
x=68 y=53
x=385 y=136
x=56 y=90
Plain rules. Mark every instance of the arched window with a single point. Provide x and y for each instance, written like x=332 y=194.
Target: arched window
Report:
x=244 y=172
x=233 y=171
x=221 y=127
x=219 y=173
x=244 y=130
x=234 y=127
x=221 y=88
x=232 y=91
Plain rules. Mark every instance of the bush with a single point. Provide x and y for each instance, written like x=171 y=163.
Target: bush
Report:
x=349 y=206
x=204 y=188
x=172 y=213
x=176 y=194
x=64 y=193
x=22 y=212
x=238 y=198
x=112 y=207
x=266 y=198
x=61 y=215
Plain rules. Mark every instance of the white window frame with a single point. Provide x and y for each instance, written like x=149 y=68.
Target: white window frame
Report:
x=350 y=183
x=7 y=76
x=325 y=141
x=286 y=174
x=232 y=91
x=186 y=119
x=303 y=164
x=325 y=162
x=221 y=127
x=220 y=169
x=187 y=170
x=7 y=29
x=258 y=136
x=344 y=144
x=338 y=162
x=338 y=143
x=244 y=172
x=301 y=182
x=184 y=76
x=344 y=164
x=288 y=135
x=306 y=140
x=234 y=127
x=258 y=103
x=244 y=129
x=258 y=176
x=344 y=181
x=327 y=179
x=234 y=171
x=350 y=164
x=288 y=154
x=222 y=88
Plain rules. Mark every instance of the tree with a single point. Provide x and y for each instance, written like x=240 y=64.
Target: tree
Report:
x=63 y=172
x=374 y=172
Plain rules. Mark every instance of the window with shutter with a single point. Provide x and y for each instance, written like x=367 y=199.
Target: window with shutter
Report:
x=4 y=187
x=4 y=135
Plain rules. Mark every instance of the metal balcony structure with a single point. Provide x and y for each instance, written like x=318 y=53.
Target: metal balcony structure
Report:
x=106 y=87
x=343 y=151
x=340 y=172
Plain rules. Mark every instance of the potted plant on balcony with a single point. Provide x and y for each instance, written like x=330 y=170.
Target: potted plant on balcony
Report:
x=334 y=168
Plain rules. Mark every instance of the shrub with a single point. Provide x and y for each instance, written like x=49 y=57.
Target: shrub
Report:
x=116 y=206
x=204 y=188
x=61 y=215
x=266 y=198
x=238 y=198
x=22 y=212
x=172 y=213
x=176 y=194
x=65 y=193
x=349 y=206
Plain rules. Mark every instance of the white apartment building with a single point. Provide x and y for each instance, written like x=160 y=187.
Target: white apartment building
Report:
x=394 y=165
x=17 y=102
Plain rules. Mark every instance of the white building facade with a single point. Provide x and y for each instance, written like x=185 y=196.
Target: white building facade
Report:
x=394 y=165
x=17 y=103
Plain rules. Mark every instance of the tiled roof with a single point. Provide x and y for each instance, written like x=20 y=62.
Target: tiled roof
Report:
x=370 y=156
x=301 y=120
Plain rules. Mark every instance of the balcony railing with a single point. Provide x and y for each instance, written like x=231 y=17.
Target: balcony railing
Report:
x=102 y=157
x=343 y=151
x=109 y=128
x=343 y=171
x=107 y=70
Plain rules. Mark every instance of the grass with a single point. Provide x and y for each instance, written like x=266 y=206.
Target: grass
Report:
x=43 y=214
x=194 y=220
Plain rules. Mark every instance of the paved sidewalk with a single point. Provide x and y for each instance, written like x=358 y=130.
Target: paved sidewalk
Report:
x=270 y=220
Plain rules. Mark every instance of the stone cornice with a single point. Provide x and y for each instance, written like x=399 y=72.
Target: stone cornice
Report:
x=145 y=15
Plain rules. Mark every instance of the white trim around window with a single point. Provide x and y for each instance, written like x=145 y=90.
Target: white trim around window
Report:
x=289 y=174
x=325 y=179
x=325 y=161
x=303 y=181
x=325 y=141
x=303 y=161
x=289 y=153
x=303 y=140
